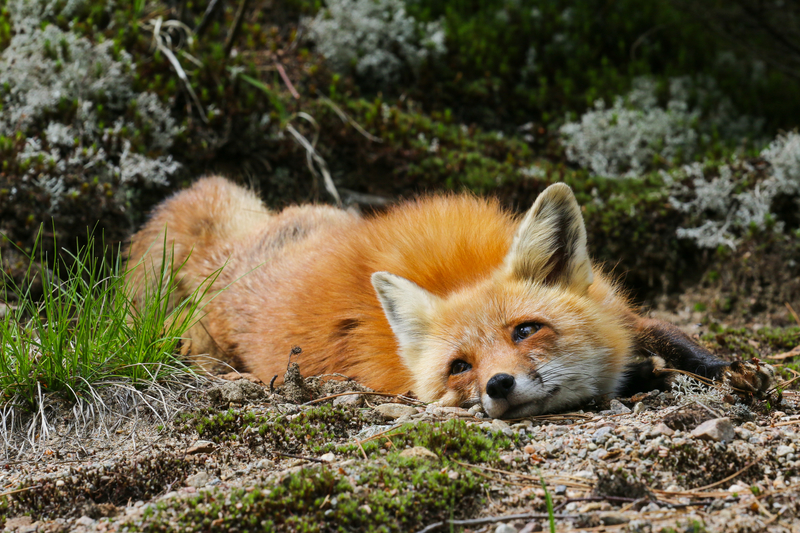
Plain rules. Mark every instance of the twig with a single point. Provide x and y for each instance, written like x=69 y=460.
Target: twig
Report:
x=313 y=157
x=287 y=81
x=17 y=491
x=237 y=23
x=362 y=449
x=736 y=474
x=493 y=520
x=347 y=120
x=293 y=456
x=212 y=6
x=523 y=476
x=348 y=393
x=597 y=499
x=783 y=385
x=794 y=352
x=793 y=313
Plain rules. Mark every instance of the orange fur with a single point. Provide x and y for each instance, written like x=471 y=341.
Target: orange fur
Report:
x=302 y=277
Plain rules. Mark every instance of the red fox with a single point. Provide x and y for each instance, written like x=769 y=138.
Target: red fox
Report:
x=449 y=296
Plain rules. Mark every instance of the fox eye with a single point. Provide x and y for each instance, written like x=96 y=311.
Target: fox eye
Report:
x=459 y=366
x=525 y=330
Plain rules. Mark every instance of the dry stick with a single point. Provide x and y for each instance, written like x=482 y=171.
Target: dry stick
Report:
x=493 y=520
x=472 y=469
x=787 y=423
x=287 y=81
x=237 y=23
x=347 y=120
x=721 y=481
x=523 y=476
x=17 y=491
x=362 y=449
x=380 y=434
x=793 y=313
x=293 y=456
x=398 y=396
x=597 y=499
x=783 y=385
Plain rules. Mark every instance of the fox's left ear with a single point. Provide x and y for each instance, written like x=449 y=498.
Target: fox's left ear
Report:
x=550 y=243
x=407 y=306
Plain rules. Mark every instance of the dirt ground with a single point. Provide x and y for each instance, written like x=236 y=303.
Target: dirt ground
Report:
x=222 y=455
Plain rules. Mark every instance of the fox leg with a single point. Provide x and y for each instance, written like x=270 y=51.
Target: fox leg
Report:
x=666 y=347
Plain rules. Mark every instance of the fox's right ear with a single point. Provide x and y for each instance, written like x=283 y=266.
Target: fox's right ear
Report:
x=550 y=243
x=407 y=306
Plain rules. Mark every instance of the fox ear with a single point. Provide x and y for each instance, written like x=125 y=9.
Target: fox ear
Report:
x=550 y=243
x=407 y=306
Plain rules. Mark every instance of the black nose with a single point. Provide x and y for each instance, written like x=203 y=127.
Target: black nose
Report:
x=500 y=386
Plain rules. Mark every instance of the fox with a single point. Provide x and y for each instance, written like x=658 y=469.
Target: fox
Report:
x=449 y=297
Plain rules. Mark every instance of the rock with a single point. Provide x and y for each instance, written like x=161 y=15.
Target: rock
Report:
x=618 y=408
x=783 y=450
x=328 y=457
x=660 y=429
x=602 y=434
x=236 y=392
x=505 y=528
x=475 y=409
x=717 y=429
x=451 y=412
x=85 y=521
x=392 y=411
x=638 y=408
x=612 y=519
x=499 y=425
x=349 y=400
x=18 y=522
x=201 y=446
x=419 y=452
x=736 y=489
x=687 y=418
x=531 y=527
x=598 y=454
x=198 y=480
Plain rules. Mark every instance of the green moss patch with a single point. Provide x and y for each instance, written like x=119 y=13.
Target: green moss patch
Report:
x=454 y=439
x=394 y=496
x=315 y=430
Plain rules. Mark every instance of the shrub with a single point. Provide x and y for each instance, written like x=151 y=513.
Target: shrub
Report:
x=739 y=196
x=375 y=38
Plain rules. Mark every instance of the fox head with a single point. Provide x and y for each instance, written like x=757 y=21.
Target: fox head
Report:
x=537 y=335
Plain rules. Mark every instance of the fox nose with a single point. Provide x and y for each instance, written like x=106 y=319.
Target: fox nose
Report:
x=499 y=386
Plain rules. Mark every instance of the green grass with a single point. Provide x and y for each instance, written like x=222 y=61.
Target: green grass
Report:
x=84 y=333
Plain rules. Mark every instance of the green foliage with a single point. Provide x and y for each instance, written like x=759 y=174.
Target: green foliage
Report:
x=452 y=440
x=84 y=331
x=400 y=495
x=314 y=430
x=539 y=60
x=746 y=343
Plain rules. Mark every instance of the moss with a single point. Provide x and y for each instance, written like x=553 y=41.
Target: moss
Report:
x=392 y=496
x=316 y=430
x=746 y=343
x=453 y=439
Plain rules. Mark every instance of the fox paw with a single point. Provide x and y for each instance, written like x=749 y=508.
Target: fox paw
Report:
x=752 y=377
